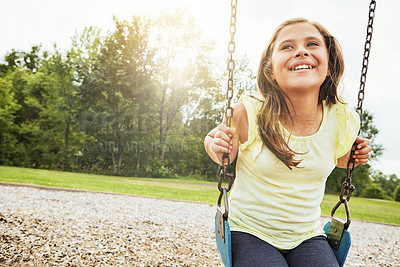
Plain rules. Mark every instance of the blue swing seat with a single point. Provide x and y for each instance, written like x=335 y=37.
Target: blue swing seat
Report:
x=344 y=246
x=225 y=249
x=224 y=246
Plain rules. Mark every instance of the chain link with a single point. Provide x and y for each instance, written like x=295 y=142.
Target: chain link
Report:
x=231 y=68
x=229 y=110
x=347 y=187
x=361 y=93
x=367 y=49
x=231 y=63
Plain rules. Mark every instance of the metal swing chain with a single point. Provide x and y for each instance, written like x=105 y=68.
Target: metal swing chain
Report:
x=347 y=186
x=367 y=48
x=228 y=112
x=231 y=63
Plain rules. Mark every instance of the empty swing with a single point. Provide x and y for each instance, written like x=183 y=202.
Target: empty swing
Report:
x=336 y=230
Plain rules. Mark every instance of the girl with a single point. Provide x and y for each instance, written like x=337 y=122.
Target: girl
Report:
x=288 y=140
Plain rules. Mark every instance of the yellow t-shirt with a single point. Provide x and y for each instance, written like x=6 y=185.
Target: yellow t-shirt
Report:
x=282 y=206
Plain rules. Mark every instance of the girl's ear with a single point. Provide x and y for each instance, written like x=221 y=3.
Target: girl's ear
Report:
x=328 y=73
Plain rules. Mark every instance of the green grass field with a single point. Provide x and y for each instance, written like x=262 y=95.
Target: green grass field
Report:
x=182 y=189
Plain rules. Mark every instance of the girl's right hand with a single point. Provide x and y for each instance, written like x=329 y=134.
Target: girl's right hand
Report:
x=222 y=139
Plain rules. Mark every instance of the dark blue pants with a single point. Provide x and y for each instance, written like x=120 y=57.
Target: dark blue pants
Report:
x=249 y=251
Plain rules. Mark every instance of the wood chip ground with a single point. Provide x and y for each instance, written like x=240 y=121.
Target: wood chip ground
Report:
x=40 y=227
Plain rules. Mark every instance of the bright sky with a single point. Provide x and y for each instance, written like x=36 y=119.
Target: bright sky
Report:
x=24 y=23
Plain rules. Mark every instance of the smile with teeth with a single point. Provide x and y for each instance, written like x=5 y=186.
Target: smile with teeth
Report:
x=302 y=67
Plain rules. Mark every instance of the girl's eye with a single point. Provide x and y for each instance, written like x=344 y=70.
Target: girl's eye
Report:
x=313 y=44
x=287 y=46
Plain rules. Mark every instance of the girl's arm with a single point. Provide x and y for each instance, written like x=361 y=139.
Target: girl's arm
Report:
x=361 y=154
x=223 y=139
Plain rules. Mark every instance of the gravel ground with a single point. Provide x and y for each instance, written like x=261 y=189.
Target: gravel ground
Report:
x=64 y=228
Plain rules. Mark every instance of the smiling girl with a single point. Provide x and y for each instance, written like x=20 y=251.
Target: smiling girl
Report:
x=288 y=139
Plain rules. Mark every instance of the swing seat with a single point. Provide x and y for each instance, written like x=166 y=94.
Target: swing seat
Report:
x=224 y=246
x=225 y=249
x=344 y=246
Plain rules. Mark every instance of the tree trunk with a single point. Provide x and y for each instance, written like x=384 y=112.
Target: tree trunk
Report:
x=164 y=145
x=162 y=108
x=114 y=163
x=139 y=147
x=66 y=135
x=121 y=156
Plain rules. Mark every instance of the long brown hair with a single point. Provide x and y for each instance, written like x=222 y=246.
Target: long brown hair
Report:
x=275 y=100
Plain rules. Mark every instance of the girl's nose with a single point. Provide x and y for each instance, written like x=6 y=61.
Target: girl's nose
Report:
x=302 y=52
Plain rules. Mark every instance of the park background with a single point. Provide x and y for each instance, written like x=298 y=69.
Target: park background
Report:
x=85 y=105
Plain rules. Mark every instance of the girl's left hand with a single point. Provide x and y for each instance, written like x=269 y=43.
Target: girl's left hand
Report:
x=361 y=154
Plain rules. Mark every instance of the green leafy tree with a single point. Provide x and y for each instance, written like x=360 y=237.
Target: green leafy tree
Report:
x=32 y=59
x=244 y=78
x=117 y=88
x=42 y=120
x=14 y=59
x=41 y=86
x=127 y=58
x=84 y=54
x=24 y=127
x=8 y=108
x=370 y=131
x=373 y=191
x=60 y=116
x=210 y=102
x=176 y=39
x=387 y=182
x=396 y=194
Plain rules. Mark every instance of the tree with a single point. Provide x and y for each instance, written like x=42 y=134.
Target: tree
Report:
x=370 y=131
x=84 y=54
x=13 y=59
x=387 y=182
x=176 y=37
x=25 y=129
x=396 y=194
x=118 y=86
x=43 y=119
x=199 y=115
x=373 y=191
x=244 y=78
x=61 y=107
x=32 y=59
x=42 y=87
x=8 y=108
x=206 y=110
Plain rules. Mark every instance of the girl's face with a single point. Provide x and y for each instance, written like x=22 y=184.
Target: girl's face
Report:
x=300 y=59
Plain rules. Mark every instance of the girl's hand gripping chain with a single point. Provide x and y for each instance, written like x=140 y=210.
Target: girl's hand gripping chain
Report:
x=361 y=154
x=220 y=140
